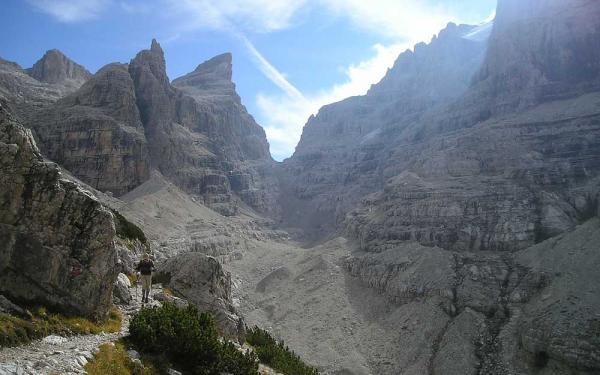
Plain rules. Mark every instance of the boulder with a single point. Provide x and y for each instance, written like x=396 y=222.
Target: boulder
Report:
x=121 y=291
x=56 y=240
x=203 y=282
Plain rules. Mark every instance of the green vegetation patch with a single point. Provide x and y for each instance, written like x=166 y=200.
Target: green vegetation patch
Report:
x=128 y=230
x=190 y=340
x=276 y=354
x=112 y=359
x=15 y=330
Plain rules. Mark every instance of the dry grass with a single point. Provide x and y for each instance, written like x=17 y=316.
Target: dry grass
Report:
x=112 y=359
x=15 y=331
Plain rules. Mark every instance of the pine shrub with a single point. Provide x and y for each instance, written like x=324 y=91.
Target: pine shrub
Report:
x=190 y=340
x=276 y=354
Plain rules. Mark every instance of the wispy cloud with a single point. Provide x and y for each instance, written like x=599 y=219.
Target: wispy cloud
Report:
x=271 y=72
x=409 y=20
x=69 y=11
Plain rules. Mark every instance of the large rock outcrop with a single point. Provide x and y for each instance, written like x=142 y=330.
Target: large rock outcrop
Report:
x=57 y=240
x=202 y=281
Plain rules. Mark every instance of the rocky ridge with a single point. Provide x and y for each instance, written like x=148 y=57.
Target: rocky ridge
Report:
x=200 y=136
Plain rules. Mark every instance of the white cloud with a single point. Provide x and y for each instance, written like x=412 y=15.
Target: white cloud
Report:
x=71 y=11
x=284 y=116
x=246 y=15
x=408 y=20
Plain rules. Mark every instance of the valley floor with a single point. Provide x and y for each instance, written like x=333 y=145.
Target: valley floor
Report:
x=305 y=297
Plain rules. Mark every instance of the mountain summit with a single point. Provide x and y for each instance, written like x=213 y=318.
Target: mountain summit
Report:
x=55 y=67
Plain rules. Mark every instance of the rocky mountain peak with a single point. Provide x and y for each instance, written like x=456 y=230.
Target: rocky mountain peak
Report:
x=55 y=67
x=439 y=70
x=219 y=67
x=150 y=61
x=155 y=46
x=212 y=77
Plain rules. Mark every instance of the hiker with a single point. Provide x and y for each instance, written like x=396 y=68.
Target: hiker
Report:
x=145 y=268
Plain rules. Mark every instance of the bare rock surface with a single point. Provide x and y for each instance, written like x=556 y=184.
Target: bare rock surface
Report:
x=121 y=290
x=57 y=239
x=203 y=282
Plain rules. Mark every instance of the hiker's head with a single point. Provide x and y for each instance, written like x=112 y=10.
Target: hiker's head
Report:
x=146 y=256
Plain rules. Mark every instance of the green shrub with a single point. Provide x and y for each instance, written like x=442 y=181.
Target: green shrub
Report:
x=190 y=340
x=276 y=354
x=127 y=230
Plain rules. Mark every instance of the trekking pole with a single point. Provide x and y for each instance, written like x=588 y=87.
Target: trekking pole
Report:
x=137 y=279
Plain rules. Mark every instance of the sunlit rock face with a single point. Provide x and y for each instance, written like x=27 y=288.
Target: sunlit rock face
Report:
x=445 y=163
x=540 y=51
x=343 y=150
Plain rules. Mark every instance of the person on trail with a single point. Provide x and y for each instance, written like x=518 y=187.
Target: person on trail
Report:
x=145 y=268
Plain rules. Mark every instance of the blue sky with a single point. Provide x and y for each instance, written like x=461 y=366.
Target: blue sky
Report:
x=290 y=56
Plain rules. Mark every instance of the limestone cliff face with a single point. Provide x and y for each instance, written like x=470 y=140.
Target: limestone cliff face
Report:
x=458 y=175
x=540 y=51
x=340 y=155
x=57 y=241
x=200 y=136
x=96 y=132
x=237 y=141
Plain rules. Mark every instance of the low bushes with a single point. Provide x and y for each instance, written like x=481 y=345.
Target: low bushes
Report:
x=15 y=330
x=190 y=340
x=276 y=354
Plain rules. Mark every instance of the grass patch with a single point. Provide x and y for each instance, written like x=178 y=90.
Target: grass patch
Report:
x=15 y=331
x=276 y=354
x=113 y=360
x=189 y=339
